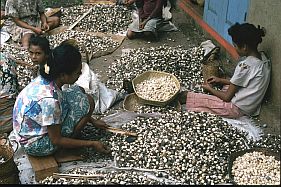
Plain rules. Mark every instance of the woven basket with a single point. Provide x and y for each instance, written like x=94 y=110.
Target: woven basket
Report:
x=233 y=157
x=9 y=171
x=152 y=74
x=53 y=12
x=132 y=102
x=210 y=70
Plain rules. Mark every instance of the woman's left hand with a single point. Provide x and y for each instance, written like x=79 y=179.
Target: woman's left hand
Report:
x=206 y=86
x=99 y=123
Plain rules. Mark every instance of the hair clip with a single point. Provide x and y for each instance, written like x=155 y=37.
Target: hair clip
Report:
x=47 y=69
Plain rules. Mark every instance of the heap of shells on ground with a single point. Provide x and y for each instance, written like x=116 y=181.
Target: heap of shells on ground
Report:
x=113 y=19
x=178 y=147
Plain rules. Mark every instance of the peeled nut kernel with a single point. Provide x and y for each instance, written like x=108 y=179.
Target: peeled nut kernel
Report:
x=256 y=169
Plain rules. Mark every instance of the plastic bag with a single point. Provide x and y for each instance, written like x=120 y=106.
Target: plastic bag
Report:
x=104 y=97
x=245 y=124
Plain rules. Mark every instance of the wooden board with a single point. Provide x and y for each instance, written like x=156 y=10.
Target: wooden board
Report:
x=67 y=155
x=87 y=2
x=43 y=166
x=80 y=18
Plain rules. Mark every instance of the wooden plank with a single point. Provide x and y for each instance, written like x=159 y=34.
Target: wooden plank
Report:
x=67 y=155
x=121 y=131
x=81 y=17
x=43 y=166
x=87 y=2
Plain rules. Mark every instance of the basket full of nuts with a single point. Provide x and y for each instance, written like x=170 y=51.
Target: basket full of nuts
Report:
x=256 y=166
x=156 y=88
x=133 y=103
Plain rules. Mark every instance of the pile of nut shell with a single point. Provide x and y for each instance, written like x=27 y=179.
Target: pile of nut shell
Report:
x=86 y=41
x=25 y=73
x=190 y=147
x=104 y=18
x=185 y=64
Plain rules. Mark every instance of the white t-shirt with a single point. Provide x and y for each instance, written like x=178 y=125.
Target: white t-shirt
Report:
x=252 y=75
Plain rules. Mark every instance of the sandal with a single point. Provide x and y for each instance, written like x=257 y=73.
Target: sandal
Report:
x=128 y=86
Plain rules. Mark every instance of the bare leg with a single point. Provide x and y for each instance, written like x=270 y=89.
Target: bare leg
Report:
x=83 y=122
x=25 y=40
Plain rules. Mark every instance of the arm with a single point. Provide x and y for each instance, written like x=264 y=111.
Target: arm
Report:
x=3 y=16
x=23 y=24
x=223 y=95
x=54 y=132
x=214 y=79
x=158 y=8
x=43 y=19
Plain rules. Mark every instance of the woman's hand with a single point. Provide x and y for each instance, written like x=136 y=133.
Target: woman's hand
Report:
x=100 y=147
x=213 y=79
x=142 y=24
x=129 y=2
x=206 y=86
x=98 y=123
x=37 y=30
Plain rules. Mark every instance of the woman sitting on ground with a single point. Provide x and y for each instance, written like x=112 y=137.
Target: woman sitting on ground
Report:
x=247 y=86
x=28 y=17
x=46 y=118
x=150 y=19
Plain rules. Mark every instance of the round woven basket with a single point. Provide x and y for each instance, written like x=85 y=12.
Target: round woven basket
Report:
x=210 y=70
x=132 y=102
x=152 y=74
x=9 y=171
x=233 y=157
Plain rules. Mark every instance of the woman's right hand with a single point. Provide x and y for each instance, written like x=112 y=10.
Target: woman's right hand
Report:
x=100 y=147
x=213 y=79
x=37 y=30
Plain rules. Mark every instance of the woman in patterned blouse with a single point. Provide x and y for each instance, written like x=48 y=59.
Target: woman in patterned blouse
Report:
x=45 y=117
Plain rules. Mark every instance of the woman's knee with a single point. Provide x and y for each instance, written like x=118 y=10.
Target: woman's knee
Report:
x=25 y=40
x=53 y=21
x=130 y=34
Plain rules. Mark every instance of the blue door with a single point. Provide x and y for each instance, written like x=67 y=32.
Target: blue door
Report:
x=221 y=14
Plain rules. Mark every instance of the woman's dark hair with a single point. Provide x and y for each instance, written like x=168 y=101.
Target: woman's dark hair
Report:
x=40 y=41
x=246 y=33
x=62 y=59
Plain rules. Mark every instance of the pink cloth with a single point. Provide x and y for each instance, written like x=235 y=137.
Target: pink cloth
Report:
x=198 y=102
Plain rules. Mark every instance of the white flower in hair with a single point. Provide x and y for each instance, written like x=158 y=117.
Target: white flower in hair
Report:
x=47 y=69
